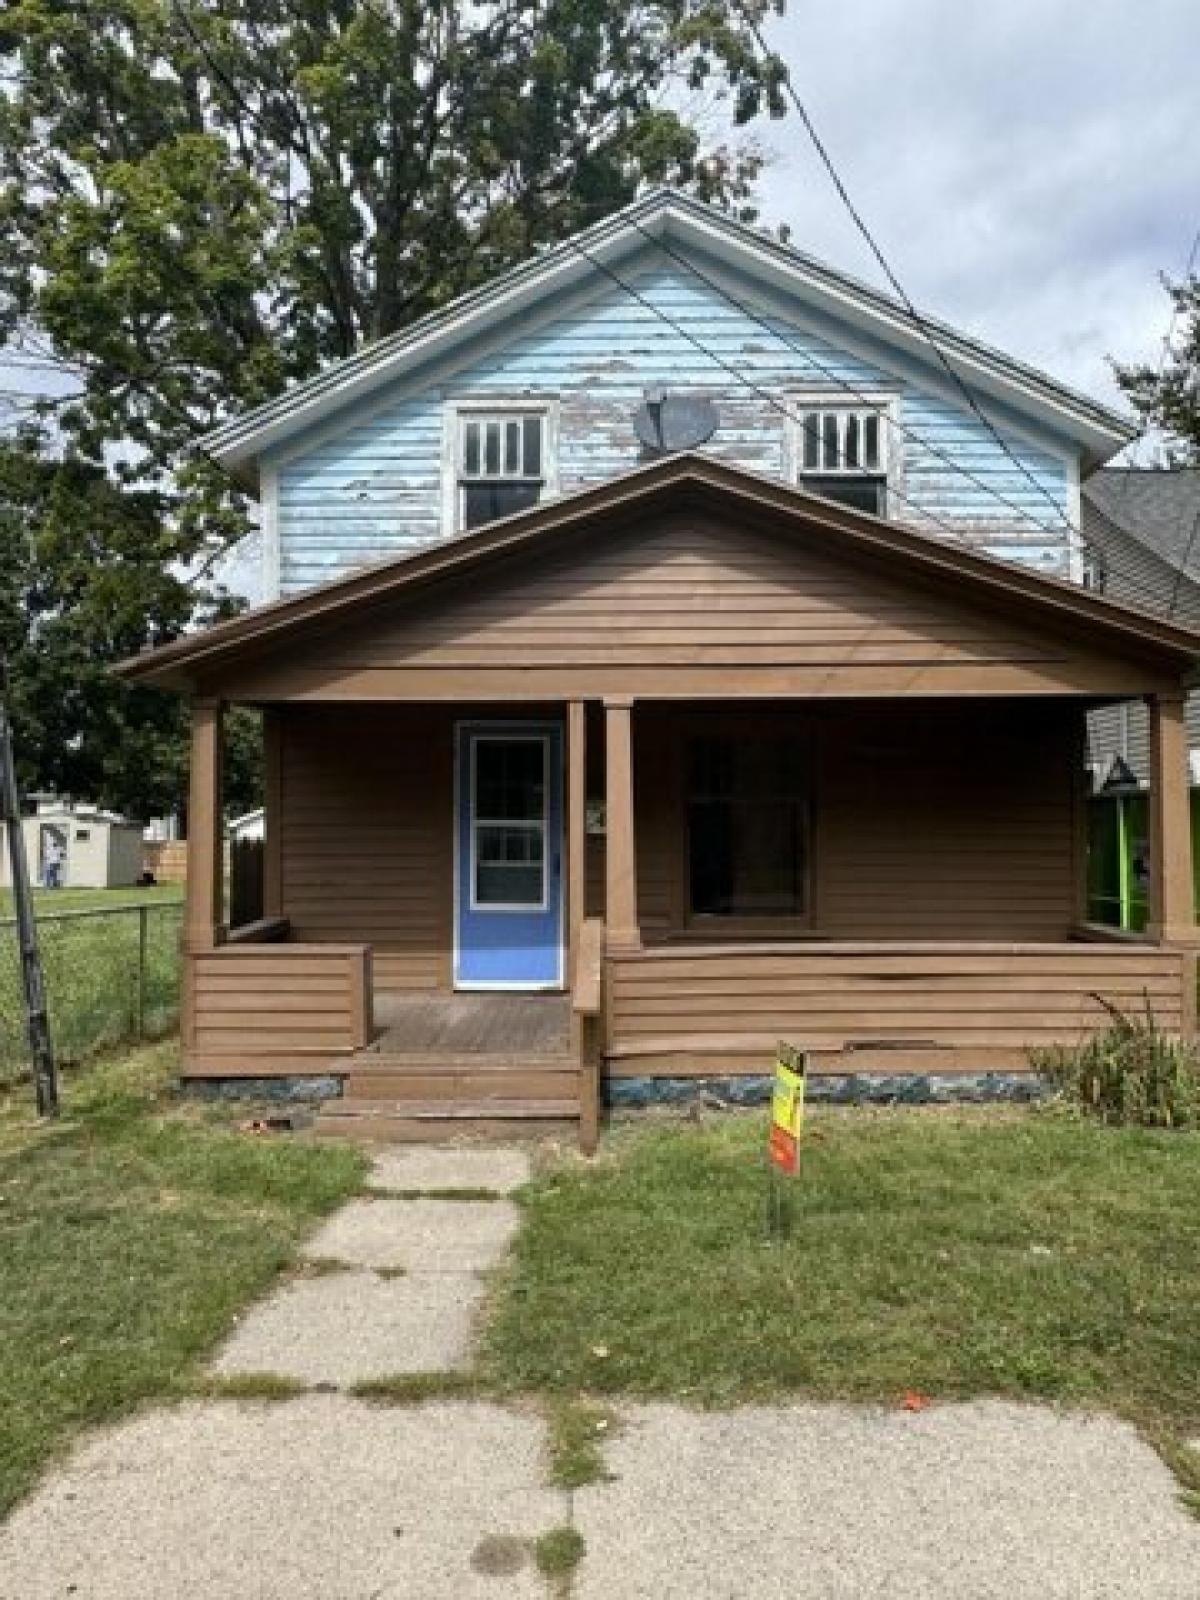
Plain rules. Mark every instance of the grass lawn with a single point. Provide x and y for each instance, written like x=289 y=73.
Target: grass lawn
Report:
x=956 y=1253
x=91 y=965
x=131 y=1231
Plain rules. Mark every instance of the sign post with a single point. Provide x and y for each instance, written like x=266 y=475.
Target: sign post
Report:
x=783 y=1149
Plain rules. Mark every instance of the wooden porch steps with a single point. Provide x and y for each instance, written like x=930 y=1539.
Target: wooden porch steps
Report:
x=429 y=1095
x=415 y=1121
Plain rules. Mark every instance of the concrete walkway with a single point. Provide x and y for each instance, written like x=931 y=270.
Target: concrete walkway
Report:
x=987 y=1501
x=327 y=1496
x=394 y=1284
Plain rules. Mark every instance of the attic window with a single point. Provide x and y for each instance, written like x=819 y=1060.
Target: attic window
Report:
x=841 y=452
x=501 y=463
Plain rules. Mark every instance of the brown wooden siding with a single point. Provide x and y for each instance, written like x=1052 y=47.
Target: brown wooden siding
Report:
x=937 y=824
x=949 y=826
x=922 y=1006
x=670 y=607
x=256 y=1008
x=689 y=591
x=932 y=823
x=366 y=841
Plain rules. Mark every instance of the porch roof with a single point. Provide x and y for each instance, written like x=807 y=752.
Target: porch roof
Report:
x=685 y=482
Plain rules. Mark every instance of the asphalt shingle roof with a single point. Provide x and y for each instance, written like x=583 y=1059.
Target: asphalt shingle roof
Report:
x=1159 y=508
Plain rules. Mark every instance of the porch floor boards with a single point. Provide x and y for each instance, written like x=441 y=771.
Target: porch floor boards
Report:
x=471 y=1024
x=453 y=1065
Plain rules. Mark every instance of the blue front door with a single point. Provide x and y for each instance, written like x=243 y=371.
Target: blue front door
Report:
x=508 y=856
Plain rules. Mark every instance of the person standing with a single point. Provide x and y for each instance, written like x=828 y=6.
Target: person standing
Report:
x=53 y=855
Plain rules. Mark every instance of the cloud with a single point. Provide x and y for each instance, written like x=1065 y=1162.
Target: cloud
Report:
x=1030 y=169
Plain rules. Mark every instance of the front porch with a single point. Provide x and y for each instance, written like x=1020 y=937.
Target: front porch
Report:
x=720 y=762
x=928 y=918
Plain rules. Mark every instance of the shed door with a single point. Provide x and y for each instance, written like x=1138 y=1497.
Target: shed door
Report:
x=508 y=869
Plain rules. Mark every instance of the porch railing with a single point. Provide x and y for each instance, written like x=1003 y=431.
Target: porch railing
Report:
x=892 y=1007
x=260 y=1006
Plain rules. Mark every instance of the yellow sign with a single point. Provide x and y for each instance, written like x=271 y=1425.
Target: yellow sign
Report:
x=787 y=1108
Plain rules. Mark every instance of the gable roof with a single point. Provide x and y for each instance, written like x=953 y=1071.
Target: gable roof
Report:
x=667 y=485
x=668 y=216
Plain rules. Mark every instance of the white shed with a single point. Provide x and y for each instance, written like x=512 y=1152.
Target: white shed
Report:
x=93 y=849
x=249 y=826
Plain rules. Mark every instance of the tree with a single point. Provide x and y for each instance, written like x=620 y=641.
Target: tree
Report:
x=83 y=583
x=202 y=201
x=1167 y=394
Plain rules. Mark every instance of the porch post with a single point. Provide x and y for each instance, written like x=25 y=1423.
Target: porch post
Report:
x=620 y=872
x=1079 y=817
x=576 y=819
x=272 y=816
x=1172 y=897
x=576 y=844
x=205 y=864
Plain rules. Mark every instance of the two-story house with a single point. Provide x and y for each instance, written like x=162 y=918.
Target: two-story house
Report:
x=672 y=652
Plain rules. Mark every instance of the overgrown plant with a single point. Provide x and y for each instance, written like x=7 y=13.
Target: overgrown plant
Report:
x=1133 y=1073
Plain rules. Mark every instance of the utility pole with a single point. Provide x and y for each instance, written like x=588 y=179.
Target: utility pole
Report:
x=41 y=1049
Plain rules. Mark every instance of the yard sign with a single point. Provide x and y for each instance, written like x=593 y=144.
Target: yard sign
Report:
x=787 y=1108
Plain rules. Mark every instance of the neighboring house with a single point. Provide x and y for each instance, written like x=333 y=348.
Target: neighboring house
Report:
x=1144 y=525
x=78 y=847
x=730 y=728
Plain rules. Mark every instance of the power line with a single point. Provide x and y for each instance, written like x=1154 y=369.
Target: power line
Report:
x=926 y=332
x=956 y=533
x=917 y=319
x=849 y=387
x=845 y=386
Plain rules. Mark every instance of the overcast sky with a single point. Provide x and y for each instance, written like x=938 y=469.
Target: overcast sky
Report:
x=1030 y=167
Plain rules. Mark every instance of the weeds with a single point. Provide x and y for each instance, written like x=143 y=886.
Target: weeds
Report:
x=1132 y=1074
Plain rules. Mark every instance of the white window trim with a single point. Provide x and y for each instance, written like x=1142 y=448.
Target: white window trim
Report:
x=832 y=398
x=507 y=907
x=458 y=411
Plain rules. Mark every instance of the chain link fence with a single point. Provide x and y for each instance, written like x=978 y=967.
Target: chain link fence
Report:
x=112 y=976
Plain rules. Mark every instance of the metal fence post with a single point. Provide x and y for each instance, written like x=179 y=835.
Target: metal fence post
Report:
x=37 y=1019
x=143 y=912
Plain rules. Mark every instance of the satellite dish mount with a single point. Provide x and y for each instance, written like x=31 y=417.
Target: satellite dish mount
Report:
x=666 y=423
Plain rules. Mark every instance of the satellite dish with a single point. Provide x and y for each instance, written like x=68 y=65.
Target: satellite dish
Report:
x=665 y=423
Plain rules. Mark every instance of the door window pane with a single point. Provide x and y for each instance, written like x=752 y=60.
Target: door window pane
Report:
x=509 y=865
x=509 y=822
x=510 y=780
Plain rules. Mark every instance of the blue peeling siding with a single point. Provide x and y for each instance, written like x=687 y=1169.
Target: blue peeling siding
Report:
x=373 y=490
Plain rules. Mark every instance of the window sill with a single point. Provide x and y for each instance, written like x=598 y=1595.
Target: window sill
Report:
x=733 y=928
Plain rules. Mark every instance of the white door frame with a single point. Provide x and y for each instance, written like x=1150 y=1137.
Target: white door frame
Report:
x=503 y=727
